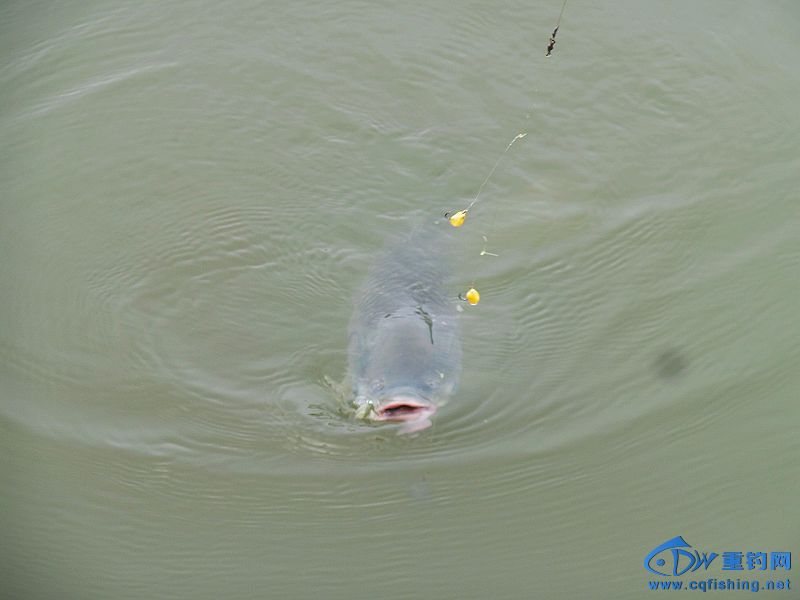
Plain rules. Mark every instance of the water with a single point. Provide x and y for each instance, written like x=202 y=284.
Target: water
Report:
x=192 y=193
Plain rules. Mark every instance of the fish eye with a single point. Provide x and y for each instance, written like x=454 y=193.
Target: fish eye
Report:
x=377 y=385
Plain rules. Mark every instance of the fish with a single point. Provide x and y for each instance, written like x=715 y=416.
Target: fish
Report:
x=404 y=351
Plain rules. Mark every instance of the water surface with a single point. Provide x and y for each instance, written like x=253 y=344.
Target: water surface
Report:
x=192 y=193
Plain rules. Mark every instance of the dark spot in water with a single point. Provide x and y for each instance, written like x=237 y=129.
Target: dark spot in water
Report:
x=670 y=363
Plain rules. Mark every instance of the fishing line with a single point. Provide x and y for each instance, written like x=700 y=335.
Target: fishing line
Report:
x=484 y=234
x=552 y=43
x=519 y=136
x=457 y=219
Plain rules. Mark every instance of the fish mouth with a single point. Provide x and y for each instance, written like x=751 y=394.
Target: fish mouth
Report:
x=404 y=408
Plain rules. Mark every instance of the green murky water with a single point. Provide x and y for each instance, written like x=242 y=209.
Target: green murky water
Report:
x=191 y=194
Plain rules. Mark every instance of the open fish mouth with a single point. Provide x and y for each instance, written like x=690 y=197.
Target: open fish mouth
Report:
x=413 y=411
x=408 y=408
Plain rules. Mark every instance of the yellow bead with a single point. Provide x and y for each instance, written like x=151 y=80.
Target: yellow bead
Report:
x=472 y=296
x=457 y=219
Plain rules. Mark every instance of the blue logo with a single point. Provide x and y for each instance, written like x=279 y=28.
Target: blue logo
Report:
x=681 y=560
x=676 y=557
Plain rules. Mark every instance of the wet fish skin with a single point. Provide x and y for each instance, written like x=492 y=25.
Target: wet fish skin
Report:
x=404 y=342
